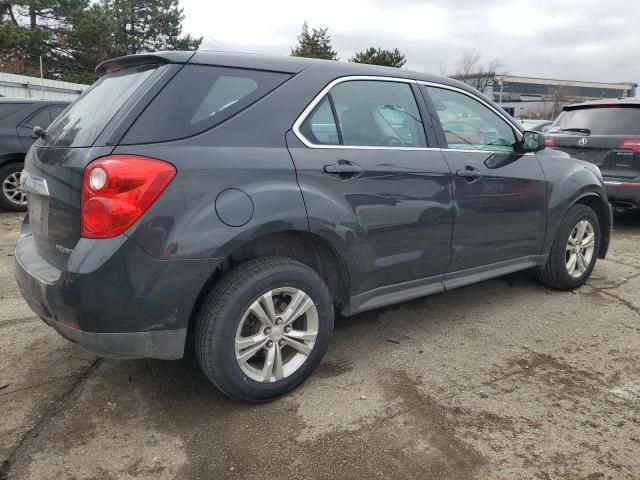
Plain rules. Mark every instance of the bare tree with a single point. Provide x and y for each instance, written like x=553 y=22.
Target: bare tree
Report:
x=469 y=68
x=560 y=95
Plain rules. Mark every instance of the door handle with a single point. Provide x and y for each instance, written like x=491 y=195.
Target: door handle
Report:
x=343 y=167
x=470 y=174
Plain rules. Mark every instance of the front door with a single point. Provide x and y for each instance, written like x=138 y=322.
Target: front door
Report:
x=371 y=185
x=499 y=195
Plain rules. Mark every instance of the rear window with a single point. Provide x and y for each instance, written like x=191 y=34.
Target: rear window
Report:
x=80 y=125
x=601 y=120
x=7 y=109
x=198 y=98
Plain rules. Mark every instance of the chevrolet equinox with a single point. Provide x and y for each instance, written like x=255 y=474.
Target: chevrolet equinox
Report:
x=245 y=199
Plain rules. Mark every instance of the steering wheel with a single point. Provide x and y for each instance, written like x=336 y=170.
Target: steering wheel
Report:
x=390 y=141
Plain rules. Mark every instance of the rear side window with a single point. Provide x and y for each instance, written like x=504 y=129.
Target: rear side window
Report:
x=321 y=127
x=80 y=125
x=601 y=120
x=198 y=98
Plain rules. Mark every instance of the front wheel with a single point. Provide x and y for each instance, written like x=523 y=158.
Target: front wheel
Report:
x=574 y=251
x=12 y=195
x=264 y=328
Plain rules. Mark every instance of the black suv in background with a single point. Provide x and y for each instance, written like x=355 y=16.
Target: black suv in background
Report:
x=607 y=134
x=17 y=119
x=245 y=198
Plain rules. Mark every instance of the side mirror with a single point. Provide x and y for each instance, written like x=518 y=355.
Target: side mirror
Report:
x=533 y=141
x=38 y=132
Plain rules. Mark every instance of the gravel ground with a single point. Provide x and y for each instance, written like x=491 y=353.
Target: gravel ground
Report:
x=504 y=379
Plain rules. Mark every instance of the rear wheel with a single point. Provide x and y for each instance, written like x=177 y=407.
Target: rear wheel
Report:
x=12 y=195
x=574 y=251
x=264 y=328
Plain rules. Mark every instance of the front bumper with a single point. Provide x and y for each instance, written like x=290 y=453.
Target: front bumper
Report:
x=125 y=305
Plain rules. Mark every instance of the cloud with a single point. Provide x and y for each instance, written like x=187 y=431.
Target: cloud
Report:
x=571 y=39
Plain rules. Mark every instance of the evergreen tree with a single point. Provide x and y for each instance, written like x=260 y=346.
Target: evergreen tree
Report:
x=316 y=44
x=73 y=36
x=150 y=25
x=377 y=56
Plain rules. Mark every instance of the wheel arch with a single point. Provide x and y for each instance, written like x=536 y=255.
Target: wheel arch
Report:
x=303 y=246
x=591 y=197
x=11 y=158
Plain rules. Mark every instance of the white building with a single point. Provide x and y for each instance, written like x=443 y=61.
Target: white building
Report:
x=21 y=86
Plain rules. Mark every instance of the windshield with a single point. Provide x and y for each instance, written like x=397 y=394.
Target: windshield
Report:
x=600 y=121
x=80 y=124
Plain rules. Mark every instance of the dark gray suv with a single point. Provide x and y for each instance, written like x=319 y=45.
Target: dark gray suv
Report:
x=17 y=119
x=246 y=198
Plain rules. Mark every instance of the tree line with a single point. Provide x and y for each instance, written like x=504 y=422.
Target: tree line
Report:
x=73 y=36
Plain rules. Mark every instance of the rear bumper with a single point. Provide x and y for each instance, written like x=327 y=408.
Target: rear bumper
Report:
x=623 y=193
x=129 y=306
x=163 y=344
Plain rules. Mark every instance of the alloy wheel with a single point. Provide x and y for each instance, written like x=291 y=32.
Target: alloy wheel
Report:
x=580 y=248
x=12 y=189
x=276 y=334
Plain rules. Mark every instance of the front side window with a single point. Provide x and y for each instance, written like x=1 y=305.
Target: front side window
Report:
x=470 y=125
x=368 y=113
x=41 y=119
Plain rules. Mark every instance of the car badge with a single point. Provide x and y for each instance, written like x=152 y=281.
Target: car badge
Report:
x=583 y=141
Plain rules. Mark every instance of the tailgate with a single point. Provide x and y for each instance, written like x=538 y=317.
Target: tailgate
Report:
x=608 y=152
x=53 y=182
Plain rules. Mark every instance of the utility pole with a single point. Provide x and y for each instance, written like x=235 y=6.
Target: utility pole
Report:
x=41 y=77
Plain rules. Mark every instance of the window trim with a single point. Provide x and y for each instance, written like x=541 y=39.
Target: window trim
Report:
x=327 y=89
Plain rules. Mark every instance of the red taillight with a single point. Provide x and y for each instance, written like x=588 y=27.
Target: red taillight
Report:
x=549 y=141
x=118 y=189
x=631 y=144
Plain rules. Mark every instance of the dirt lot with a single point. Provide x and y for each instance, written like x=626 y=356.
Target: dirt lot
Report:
x=504 y=379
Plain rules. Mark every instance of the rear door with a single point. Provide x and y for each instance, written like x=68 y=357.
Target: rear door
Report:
x=372 y=185
x=605 y=135
x=499 y=195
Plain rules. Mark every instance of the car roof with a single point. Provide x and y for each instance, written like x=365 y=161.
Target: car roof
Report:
x=286 y=64
x=629 y=101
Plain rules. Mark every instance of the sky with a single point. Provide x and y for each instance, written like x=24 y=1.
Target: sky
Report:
x=591 y=40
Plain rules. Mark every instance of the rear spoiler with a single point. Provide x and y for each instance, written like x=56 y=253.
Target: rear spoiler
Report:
x=602 y=104
x=128 y=61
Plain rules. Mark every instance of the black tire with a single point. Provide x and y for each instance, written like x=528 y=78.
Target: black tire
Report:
x=222 y=311
x=5 y=202
x=555 y=274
